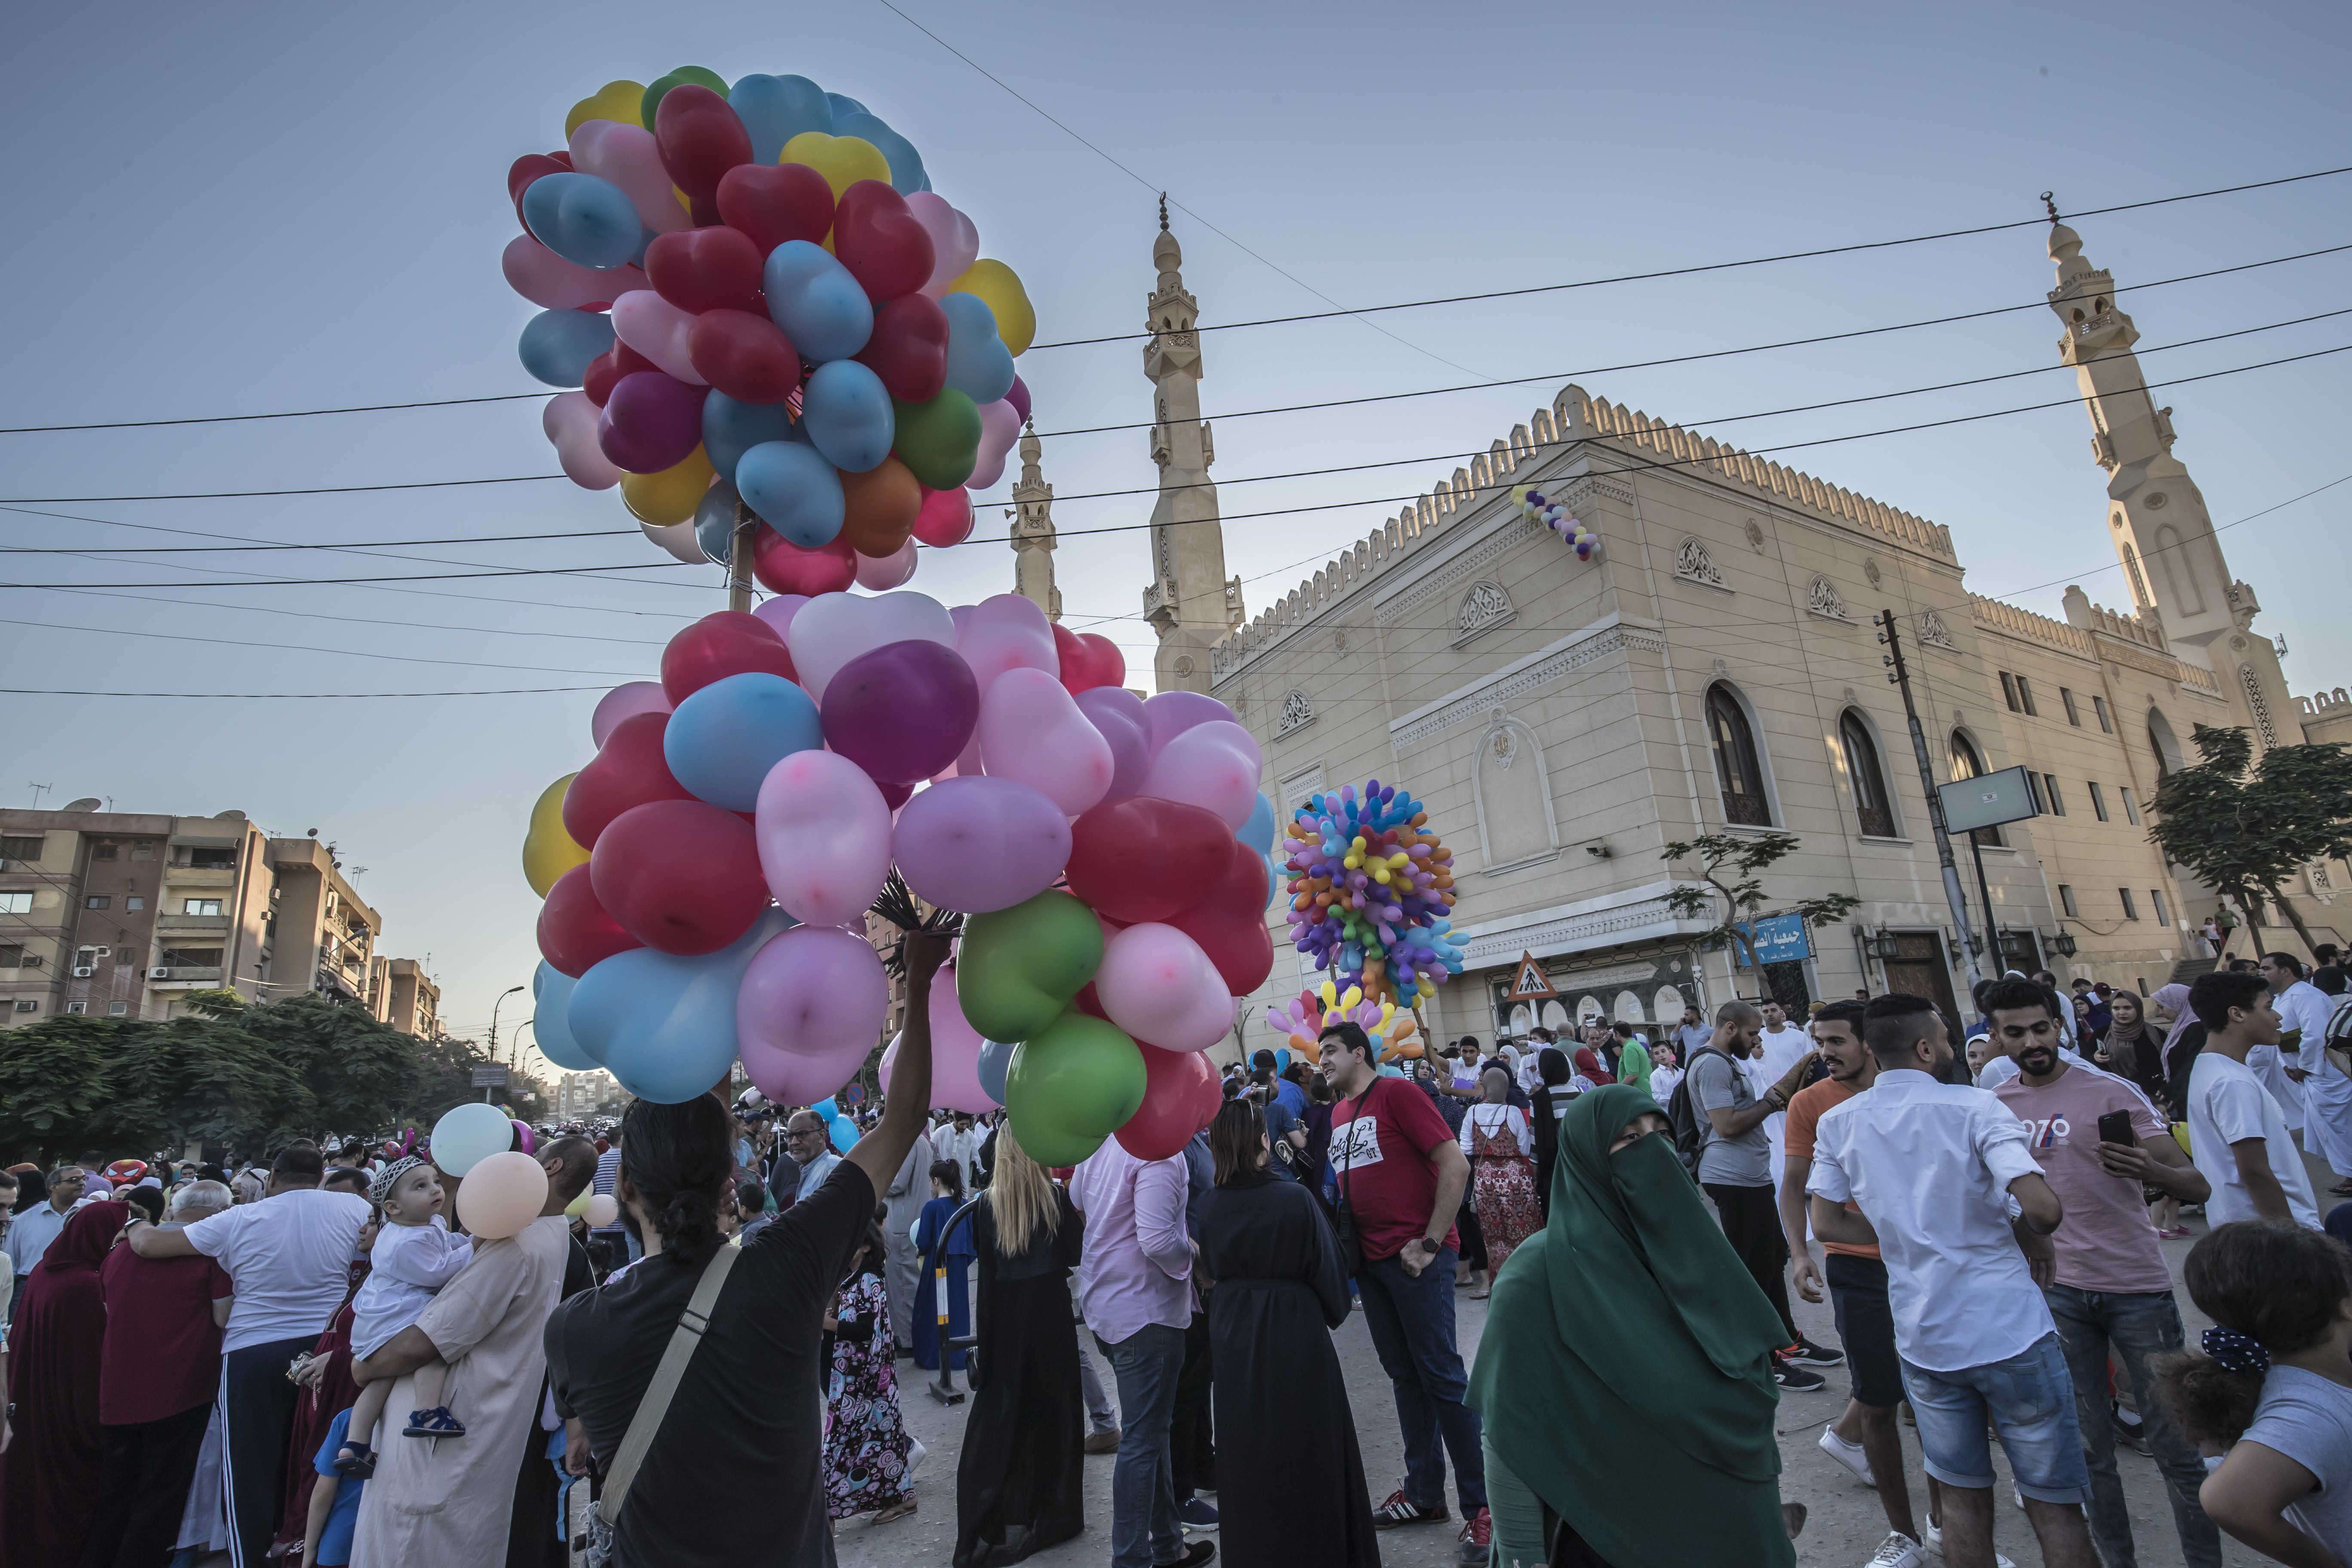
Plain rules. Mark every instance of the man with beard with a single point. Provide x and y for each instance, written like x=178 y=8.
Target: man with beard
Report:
x=2109 y=1290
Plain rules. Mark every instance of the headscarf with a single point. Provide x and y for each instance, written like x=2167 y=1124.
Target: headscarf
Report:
x=48 y=1489
x=2173 y=999
x=1552 y=1065
x=2139 y=1056
x=1625 y=1367
x=1589 y=1065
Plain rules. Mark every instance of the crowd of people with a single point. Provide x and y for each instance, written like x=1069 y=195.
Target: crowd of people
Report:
x=312 y=1364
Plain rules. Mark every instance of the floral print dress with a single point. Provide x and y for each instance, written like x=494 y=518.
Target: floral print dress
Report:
x=865 y=1440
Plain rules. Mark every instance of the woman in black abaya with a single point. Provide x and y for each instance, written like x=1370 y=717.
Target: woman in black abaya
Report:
x=1020 y=1481
x=1290 y=1481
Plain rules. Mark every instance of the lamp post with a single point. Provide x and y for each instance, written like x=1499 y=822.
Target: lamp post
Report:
x=509 y=991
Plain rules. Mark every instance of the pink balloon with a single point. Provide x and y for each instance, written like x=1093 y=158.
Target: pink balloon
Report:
x=569 y=420
x=1118 y=714
x=629 y=157
x=1031 y=731
x=955 y=1054
x=657 y=330
x=981 y=843
x=1170 y=713
x=811 y=1004
x=955 y=241
x=946 y=516
x=548 y=281
x=1157 y=984
x=1214 y=765
x=883 y=573
x=501 y=1195
x=1007 y=632
x=823 y=832
x=625 y=702
x=999 y=425
x=778 y=611
x=831 y=629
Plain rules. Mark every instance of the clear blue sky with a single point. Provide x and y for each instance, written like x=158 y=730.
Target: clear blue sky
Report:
x=261 y=208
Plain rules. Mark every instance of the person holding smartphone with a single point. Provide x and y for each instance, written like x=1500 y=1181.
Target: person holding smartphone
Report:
x=2098 y=1142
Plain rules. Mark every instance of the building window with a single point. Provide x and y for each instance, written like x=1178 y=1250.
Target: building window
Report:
x=212 y=859
x=102 y=852
x=2033 y=788
x=2156 y=902
x=1738 y=767
x=98 y=902
x=144 y=850
x=2057 y=806
x=126 y=954
x=1967 y=764
x=2025 y=697
x=135 y=902
x=190 y=958
x=20 y=847
x=2066 y=695
x=12 y=955
x=200 y=907
x=117 y=1009
x=16 y=903
x=2009 y=691
x=1871 y=808
x=76 y=1006
x=2098 y=801
x=2131 y=806
x=2131 y=905
x=2099 y=711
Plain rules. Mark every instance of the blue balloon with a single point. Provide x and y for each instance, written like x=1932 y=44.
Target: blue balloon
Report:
x=979 y=365
x=722 y=740
x=794 y=490
x=775 y=109
x=996 y=1061
x=587 y=221
x=664 y=1026
x=846 y=411
x=1258 y=831
x=714 y=521
x=557 y=345
x=905 y=164
x=844 y=1132
x=1282 y=1058
x=815 y=299
x=826 y=1109
x=730 y=428
x=550 y=988
x=842 y=103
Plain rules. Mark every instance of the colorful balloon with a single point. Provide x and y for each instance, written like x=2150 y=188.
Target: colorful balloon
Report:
x=1020 y=968
x=979 y=845
x=1155 y=983
x=549 y=850
x=817 y=303
x=468 y=1134
x=823 y=833
x=502 y=1193
x=796 y=491
x=1071 y=1086
x=724 y=643
x=812 y=1005
x=1031 y=731
x=679 y=875
x=575 y=934
x=902 y=711
x=723 y=738
x=628 y=770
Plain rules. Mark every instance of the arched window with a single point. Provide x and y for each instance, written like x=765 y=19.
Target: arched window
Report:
x=1873 y=808
x=1737 y=768
x=1967 y=764
x=2164 y=743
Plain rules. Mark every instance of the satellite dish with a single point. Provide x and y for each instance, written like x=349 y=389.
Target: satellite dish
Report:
x=87 y=803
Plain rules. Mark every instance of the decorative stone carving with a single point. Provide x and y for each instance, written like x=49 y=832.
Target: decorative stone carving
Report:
x=1694 y=565
x=1870 y=570
x=1483 y=608
x=1933 y=633
x=1824 y=601
x=1297 y=713
x=2259 y=703
x=1755 y=537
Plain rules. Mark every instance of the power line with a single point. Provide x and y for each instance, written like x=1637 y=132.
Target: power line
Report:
x=286 y=414
x=313 y=648
x=294 y=696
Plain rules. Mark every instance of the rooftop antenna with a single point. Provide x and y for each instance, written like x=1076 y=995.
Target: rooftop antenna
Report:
x=38 y=790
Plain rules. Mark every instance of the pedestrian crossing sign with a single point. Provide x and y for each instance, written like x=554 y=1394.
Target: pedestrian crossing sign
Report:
x=1530 y=984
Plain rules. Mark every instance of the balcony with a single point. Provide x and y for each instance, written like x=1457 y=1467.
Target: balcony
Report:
x=188 y=978
x=169 y=924
x=200 y=876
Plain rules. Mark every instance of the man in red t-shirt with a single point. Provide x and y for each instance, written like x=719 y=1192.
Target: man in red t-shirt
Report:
x=1401 y=1174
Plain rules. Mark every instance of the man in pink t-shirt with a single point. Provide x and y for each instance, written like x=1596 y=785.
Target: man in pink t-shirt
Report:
x=2109 y=1290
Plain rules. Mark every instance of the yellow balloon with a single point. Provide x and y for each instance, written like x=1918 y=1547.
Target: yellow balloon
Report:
x=548 y=851
x=620 y=100
x=670 y=496
x=842 y=159
x=998 y=287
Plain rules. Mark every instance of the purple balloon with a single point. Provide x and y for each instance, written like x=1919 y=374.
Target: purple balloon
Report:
x=981 y=843
x=902 y=711
x=778 y=610
x=1119 y=713
x=1019 y=398
x=812 y=1003
x=1171 y=713
x=650 y=421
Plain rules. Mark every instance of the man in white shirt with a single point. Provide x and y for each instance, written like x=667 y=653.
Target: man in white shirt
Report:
x=1935 y=1170
x=30 y=1234
x=960 y=1141
x=2303 y=1010
x=2237 y=1130
x=2278 y=1066
x=1785 y=1045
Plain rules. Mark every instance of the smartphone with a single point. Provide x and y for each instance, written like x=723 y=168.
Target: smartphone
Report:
x=2116 y=1127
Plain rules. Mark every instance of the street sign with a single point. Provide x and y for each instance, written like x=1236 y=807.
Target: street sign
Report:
x=1530 y=984
x=1988 y=801
x=490 y=1078
x=1779 y=939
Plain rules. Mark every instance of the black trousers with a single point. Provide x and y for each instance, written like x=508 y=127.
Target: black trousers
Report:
x=1193 y=1448
x=142 y=1489
x=258 y=1417
x=1473 y=1238
x=1752 y=1224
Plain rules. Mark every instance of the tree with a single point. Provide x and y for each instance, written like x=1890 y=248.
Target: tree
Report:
x=2243 y=827
x=1733 y=866
x=53 y=1081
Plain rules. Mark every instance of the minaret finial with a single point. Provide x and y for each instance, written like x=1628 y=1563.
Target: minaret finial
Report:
x=2050 y=202
x=1163 y=211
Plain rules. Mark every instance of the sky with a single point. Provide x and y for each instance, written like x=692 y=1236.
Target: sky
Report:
x=263 y=207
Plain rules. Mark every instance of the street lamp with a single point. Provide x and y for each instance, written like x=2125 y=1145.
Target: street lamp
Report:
x=494 y=1017
x=2063 y=944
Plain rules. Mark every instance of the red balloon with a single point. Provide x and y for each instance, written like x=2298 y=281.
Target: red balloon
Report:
x=741 y=352
x=723 y=643
x=1170 y=1111
x=783 y=567
x=883 y=244
x=895 y=795
x=699 y=269
x=700 y=138
x=1089 y=659
x=1142 y=859
x=1230 y=922
x=945 y=518
x=679 y=876
x=607 y=369
x=771 y=203
x=574 y=932
x=909 y=348
x=526 y=168
x=628 y=771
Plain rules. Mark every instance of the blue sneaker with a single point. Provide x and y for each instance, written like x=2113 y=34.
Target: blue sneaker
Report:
x=434 y=1423
x=1195 y=1514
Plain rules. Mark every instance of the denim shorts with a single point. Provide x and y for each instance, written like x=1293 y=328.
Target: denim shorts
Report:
x=2030 y=1399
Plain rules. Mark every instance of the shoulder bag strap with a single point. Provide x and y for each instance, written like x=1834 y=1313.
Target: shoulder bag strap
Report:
x=684 y=1341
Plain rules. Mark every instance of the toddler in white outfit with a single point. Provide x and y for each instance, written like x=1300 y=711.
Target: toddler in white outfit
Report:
x=414 y=1255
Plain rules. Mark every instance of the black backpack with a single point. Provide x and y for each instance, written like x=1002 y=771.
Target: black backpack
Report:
x=1690 y=1132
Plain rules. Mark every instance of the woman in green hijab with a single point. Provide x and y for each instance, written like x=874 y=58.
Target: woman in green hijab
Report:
x=1624 y=1375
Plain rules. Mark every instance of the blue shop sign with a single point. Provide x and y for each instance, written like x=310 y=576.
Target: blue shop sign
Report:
x=1779 y=939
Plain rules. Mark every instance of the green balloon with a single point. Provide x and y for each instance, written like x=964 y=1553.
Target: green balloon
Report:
x=939 y=440
x=1020 y=968
x=698 y=75
x=1071 y=1086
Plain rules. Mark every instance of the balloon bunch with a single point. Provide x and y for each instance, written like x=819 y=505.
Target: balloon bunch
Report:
x=1372 y=892
x=752 y=294
x=1553 y=515
x=1303 y=1021
x=707 y=875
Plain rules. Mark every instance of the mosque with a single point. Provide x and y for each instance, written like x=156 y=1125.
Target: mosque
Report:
x=1718 y=667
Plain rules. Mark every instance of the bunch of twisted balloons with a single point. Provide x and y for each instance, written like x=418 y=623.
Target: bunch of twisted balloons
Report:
x=1555 y=516
x=1302 y=1024
x=1372 y=892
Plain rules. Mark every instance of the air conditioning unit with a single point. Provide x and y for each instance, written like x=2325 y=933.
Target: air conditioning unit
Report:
x=158 y=974
x=83 y=972
x=32 y=960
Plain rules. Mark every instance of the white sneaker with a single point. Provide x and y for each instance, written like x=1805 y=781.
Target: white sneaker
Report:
x=1935 y=1544
x=1898 y=1550
x=916 y=1455
x=1851 y=1456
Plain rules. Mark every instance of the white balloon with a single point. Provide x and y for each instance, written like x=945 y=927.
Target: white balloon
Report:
x=834 y=628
